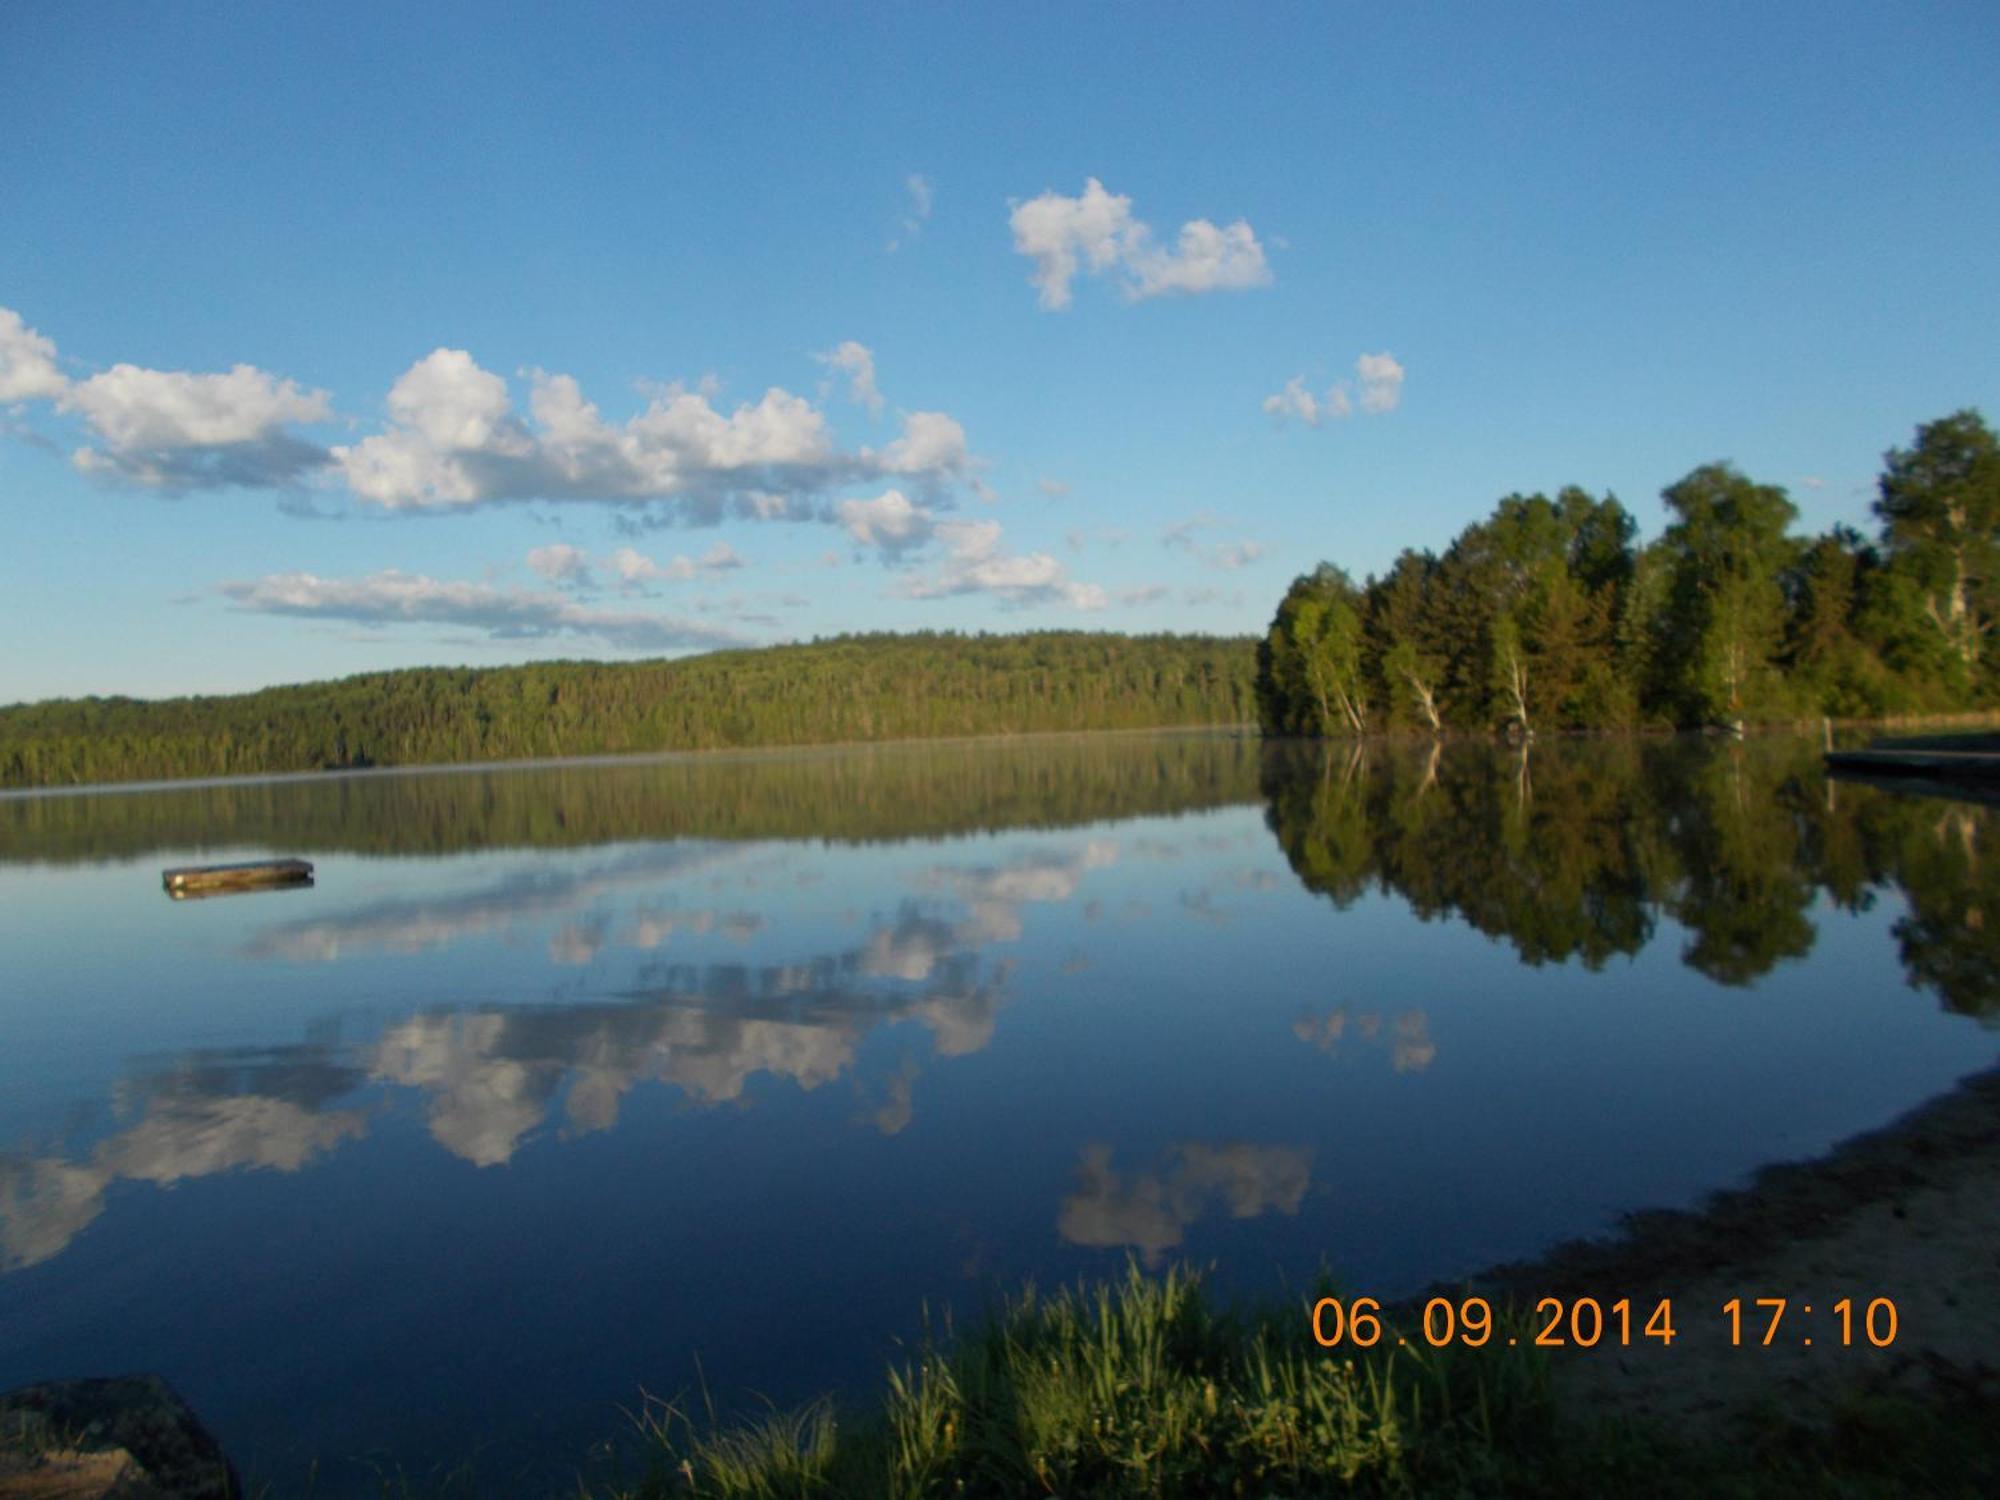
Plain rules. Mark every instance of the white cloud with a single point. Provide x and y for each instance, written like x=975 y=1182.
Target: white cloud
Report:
x=1380 y=379
x=857 y=363
x=932 y=444
x=134 y=408
x=1095 y=233
x=453 y=444
x=1063 y=235
x=634 y=567
x=455 y=405
x=891 y=521
x=1296 y=401
x=918 y=188
x=454 y=438
x=394 y=597
x=1055 y=489
x=975 y=563
x=1208 y=259
x=172 y=429
x=27 y=362
x=561 y=563
x=178 y=430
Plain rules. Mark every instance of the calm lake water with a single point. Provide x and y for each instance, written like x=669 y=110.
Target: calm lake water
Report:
x=559 y=1079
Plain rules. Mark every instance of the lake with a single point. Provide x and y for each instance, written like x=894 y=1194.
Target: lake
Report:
x=566 y=1083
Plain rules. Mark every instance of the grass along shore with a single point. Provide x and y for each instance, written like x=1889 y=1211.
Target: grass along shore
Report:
x=1145 y=1385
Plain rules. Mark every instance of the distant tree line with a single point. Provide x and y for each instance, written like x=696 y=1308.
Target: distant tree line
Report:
x=1546 y=615
x=858 y=687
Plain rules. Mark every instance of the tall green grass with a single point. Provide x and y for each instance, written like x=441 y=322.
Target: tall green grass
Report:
x=1143 y=1386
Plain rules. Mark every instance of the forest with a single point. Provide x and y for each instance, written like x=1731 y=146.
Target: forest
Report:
x=858 y=687
x=1547 y=616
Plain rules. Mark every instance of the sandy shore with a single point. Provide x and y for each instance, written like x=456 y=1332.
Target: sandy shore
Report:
x=1910 y=1213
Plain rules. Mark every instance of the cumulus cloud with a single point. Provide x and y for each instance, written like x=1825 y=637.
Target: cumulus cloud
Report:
x=1296 y=401
x=170 y=429
x=561 y=563
x=857 y=363
x=394 y=597
x=932 y=444
x=634 y=567
x=1095 y=233
x=455 y=442
x=891 y=521
x=973 y=561
x=455 y=439
x=27 y=362
x=976 y=563
x=1377 y=388
x=1381 y=381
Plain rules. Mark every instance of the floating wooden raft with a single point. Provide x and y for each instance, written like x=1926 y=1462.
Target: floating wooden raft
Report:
x=251 y=875
x=1942 y=765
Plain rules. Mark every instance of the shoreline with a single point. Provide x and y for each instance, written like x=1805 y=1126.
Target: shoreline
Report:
x=1909 y=1212
x=619 y=758
x=1244 y=729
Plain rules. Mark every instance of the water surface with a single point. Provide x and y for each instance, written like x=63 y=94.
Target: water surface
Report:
x=560 y=1079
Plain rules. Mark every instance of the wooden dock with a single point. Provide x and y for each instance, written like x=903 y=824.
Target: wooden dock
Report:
x=1935 y=765
x=251 y=875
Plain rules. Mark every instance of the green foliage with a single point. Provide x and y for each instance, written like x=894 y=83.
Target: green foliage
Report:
x=1940 y=510
x=1145 y=1389
x=873 y=687
x=1139 y=1387
x=1548 y=616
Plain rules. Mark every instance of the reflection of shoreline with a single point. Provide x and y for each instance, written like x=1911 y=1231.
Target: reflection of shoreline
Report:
x=863 y=793
x=1735 y=844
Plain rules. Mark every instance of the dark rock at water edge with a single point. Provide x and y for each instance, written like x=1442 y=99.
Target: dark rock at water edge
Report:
x=126 y=1437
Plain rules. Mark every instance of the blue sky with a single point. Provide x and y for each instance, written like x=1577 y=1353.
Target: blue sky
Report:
x=345 y=339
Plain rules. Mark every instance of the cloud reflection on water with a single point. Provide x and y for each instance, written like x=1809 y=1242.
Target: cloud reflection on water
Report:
x=1151 y=1212
x=490 y=1077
